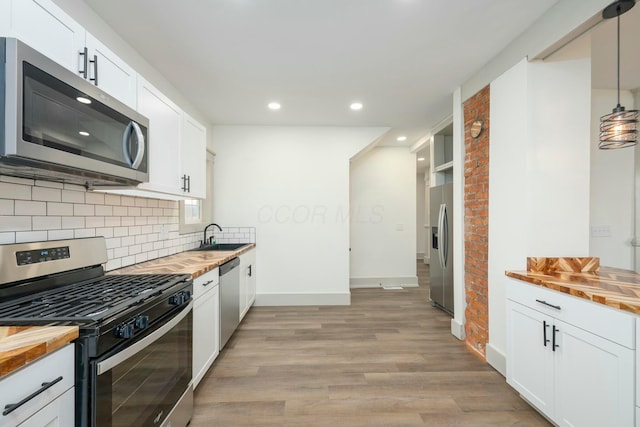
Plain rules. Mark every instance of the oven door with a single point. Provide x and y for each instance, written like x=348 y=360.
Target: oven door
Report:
x=143 y=383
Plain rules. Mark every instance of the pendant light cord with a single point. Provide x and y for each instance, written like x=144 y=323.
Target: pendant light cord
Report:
x=618 y=19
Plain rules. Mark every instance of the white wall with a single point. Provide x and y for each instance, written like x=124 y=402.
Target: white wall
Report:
x=538 y=173
x=612 y=189
x=383 y=226
x=421 y=217
x=459 y=297
x=292 y=183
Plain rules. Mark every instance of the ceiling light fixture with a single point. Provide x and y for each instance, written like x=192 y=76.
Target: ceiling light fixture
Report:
x=401 y=138
x=274 y=106
x=356 y=106
x=420 y=159
x=620 y=128
x=83 y=100
x=84 y=133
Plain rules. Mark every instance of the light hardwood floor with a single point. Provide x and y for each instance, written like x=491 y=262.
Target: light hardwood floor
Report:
x=389 y=359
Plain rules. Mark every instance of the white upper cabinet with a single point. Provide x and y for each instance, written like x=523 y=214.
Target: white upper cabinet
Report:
x=45 y=27
x=165 y=123
x=110 y=73
x=192 y=158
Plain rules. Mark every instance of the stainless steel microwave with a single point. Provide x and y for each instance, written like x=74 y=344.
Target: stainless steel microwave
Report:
x=57 y=126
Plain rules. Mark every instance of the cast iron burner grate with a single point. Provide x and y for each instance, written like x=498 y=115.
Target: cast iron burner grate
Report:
x=93 y=299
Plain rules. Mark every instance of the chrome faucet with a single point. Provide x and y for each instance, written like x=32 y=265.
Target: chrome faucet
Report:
x=204 y=237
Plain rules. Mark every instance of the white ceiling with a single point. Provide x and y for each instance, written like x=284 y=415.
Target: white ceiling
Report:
x=401 y=58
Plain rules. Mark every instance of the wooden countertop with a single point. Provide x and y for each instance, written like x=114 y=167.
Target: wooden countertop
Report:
x=20 y=345
x=195 y=263
x=584 y=278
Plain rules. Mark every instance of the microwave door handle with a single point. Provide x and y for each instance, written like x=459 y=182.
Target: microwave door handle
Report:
x=133 y=127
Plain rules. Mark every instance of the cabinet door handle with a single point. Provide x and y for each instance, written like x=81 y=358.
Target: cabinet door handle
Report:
x=188 y=183
x=250 y=271
x=207 y=283
x=557 y=307
x=553 y=336
x=13 y=406
x=184 y=183
x=85 y=62
x=545 y=341
x=94 y=61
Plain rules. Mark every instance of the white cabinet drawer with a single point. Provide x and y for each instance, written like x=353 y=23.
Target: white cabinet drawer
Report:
x=205 y=282
x=612 y=324
x=58 y=413
x=29 y=379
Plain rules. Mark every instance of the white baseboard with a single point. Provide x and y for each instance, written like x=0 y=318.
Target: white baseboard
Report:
x=426 y=260
x=457 y=329
x=496 y=358
x=420 y=255
x=274 y=300
x=379 y=282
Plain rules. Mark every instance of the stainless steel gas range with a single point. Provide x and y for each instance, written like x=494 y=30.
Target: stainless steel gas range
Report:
x=133 y=355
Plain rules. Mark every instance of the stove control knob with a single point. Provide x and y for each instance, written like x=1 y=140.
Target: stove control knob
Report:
x=177 y=299
x=142 y=322
x=125 y=330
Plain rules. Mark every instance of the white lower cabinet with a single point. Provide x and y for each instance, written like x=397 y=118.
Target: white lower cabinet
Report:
x=206 y=323
x=572 y=375
x=42 y=391
x=247 y=281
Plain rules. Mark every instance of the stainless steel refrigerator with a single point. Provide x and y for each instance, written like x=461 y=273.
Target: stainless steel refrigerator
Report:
x=441 y=248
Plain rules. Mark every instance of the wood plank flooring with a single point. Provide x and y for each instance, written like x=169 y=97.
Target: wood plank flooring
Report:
x=389 y=359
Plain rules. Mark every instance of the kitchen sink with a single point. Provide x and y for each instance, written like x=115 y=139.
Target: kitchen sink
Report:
x=221 y=247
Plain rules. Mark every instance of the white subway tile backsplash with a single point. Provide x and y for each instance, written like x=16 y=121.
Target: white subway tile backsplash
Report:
x=46 y=222
x=70 y=196
x=94 y=198
x=104 y=210
x=127 y=221
x=112 y=199
x=120 y=210
x=72 y=222
x=83 y=210
x=63 y=209
x=25 y=207
x=112 y=221
x=84 y=232
x=6 y=238
x=30 y=236
x=59 y=234
x=16 y=180
x=40 y=210
x=6 y=207
x=46 y=194
x=94 y=221
x=15 y=223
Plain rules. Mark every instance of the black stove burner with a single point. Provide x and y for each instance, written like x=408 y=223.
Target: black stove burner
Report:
x=90 y=300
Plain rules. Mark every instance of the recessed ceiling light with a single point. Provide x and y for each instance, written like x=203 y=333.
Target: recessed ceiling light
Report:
x=356 y=106
x=274 y=106
x=401 y=138
x=420 y=159
x=83 y=133
x=83 y=100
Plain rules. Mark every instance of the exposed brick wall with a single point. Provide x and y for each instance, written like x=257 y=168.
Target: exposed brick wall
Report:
x=476 y=222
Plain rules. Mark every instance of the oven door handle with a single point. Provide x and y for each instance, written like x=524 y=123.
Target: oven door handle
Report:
x=126 y=353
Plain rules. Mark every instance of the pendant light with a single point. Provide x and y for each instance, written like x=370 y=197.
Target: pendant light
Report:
x=620 y=128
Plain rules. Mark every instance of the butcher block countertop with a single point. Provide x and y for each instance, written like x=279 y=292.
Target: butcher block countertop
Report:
x=20 y=345
x=584 y=278
x=195 y=263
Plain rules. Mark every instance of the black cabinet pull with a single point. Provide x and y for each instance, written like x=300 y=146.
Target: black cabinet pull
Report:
x=188 y=183
x=85 y=62
x=207 y=283
x=545 y=341
x=250 y=271
x=553 y=336
x=557 y=307
x=95 y=70
x=184 y=183
x=13 y=406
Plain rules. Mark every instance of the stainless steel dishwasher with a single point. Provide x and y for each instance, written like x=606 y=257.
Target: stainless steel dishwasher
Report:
x=229 y=299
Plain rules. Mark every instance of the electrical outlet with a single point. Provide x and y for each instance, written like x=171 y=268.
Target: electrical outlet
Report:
x=600 y=231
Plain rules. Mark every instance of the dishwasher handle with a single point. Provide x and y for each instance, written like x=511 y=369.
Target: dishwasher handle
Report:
x=229 y=265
